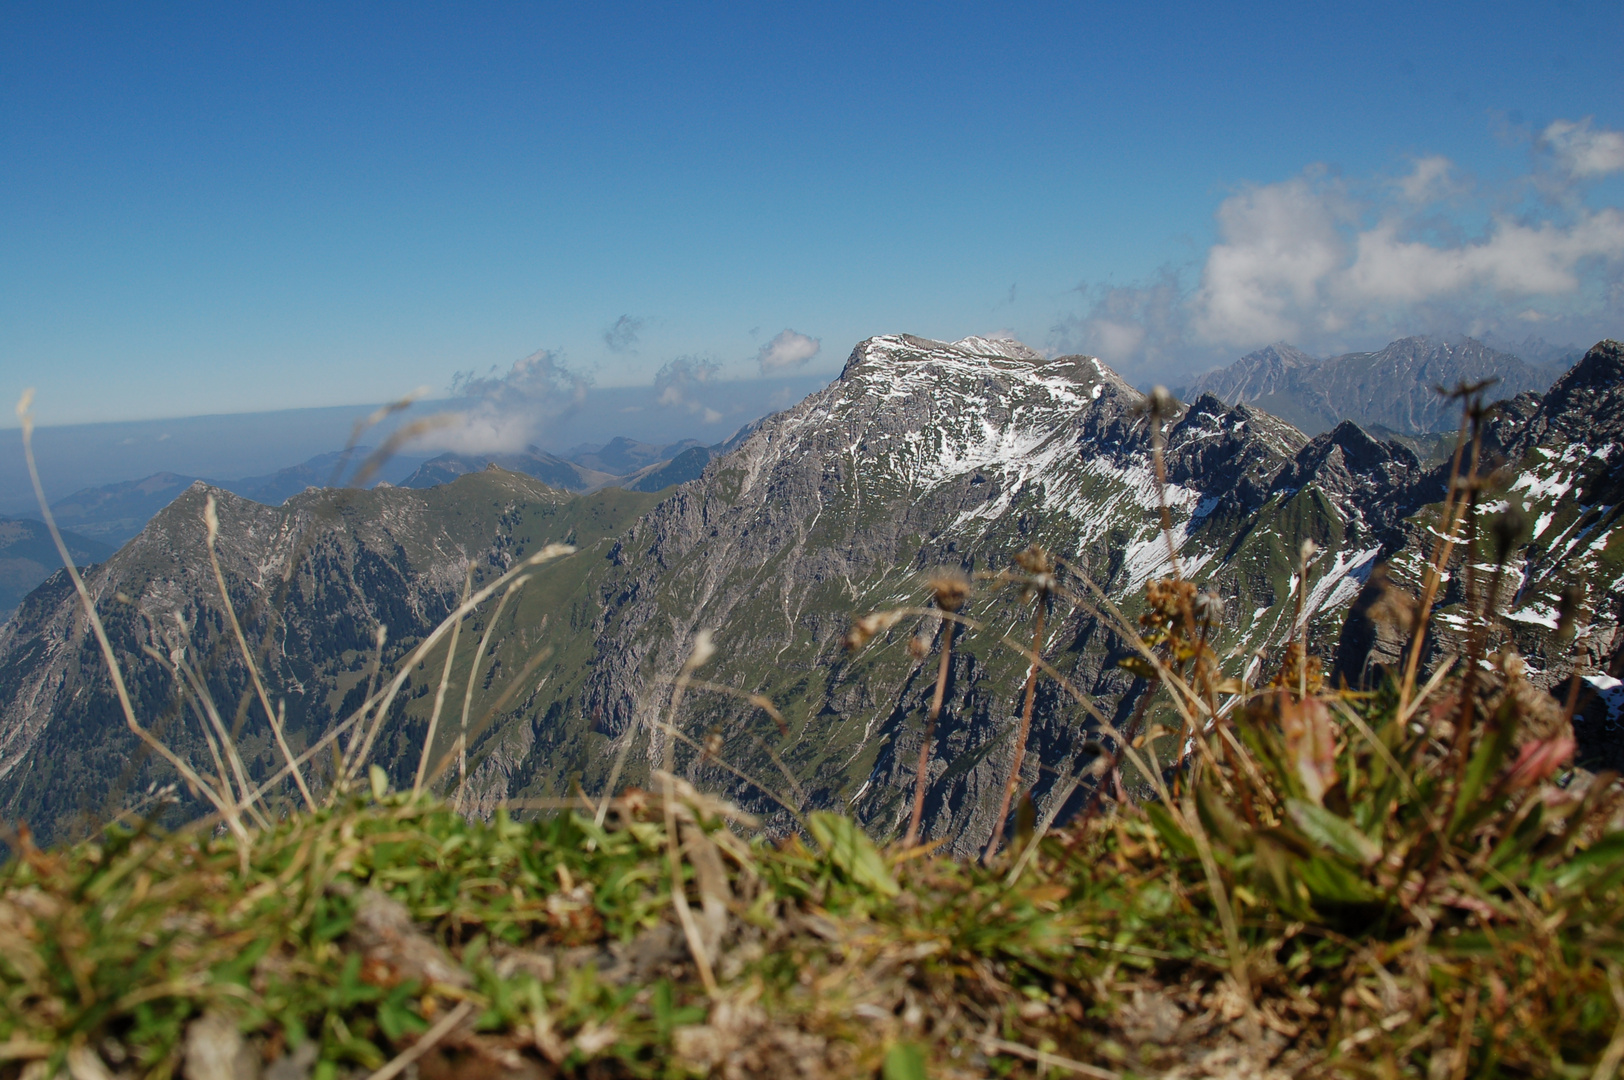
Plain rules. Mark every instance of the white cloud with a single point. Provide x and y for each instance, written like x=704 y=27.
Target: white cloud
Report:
x=1142 y=327
x=788 y=350
x=1301 y=259
x=1584 y=151
x=1279 y=244
x=505 y=413
x=1332 y=262
x=676 y=384
x=1430 y=181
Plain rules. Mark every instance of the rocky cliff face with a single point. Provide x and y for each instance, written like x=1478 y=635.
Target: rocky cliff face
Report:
x=926 y=453
x=1553 y=464
x=311 y=581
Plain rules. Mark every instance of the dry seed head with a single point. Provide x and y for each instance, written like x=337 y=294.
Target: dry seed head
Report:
x=1037 y=562
x=1034 y=560
x=1512 y=663
x=1208 y=608
x=1567 y=610
x=1393 y=606
x=1160 y=402
x=864 y=627
x=25 y=415
x=703 y=651
x=1167 y=597
x=1507 y=527
x=949 y=587
x=919 y=646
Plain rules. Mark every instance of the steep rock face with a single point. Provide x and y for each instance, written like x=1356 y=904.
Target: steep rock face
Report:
x=1235 y=451
x=1557 y=496
x=1373 y=482
x=311 y=582
x=926 y=453
x=1255 y=376
x=1570 y=491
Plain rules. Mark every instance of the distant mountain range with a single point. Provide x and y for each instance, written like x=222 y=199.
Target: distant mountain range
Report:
x=622 y=462
x=105 y=517
x=1393 y=388
x=922 y=454
x=114 y=513
x=28 y=557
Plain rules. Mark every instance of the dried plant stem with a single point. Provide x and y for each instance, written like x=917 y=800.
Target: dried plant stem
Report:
x=378 y=707
x=373 y=672
x=211 y=520
x=439 y=691
x=203 y=703
x=203 y=722
x=1048 y=1060
x=691 y=742
x=1019 y=757
x=614 y=773
x=1042 y=829
x=228 y=811
x=425 y=1043
x=1305 y=553
x=783 y=770
x=1160 y=404
x=1442 y=549
x=476 y=729
x=1613 y=1056
x=922 y=772
x=679 y=890
x=468 y=691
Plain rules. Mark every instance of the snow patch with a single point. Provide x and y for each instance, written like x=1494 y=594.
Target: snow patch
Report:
x=1611 y=692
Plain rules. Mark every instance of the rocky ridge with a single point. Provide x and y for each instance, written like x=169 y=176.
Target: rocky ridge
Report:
x=922 y=454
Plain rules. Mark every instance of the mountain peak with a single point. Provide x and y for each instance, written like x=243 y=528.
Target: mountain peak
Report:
x=1007 y=347
x=911 y=346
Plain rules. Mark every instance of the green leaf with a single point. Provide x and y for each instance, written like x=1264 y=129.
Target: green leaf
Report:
x=850 y=849
x=1333 y=882
x=1606 y=854
x=1486 y=762
x=1169 y=830
x=1221 y=820
x=904 y=1061
x=1332 y=832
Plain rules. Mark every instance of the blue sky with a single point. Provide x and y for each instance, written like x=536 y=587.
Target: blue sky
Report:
x=218 y=208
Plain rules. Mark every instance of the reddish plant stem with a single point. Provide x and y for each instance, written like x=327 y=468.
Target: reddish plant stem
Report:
x=1020 y=737
x=922 y=775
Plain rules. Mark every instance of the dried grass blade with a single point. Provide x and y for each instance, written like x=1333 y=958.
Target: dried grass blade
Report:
x=468 y=691
x=227 y=810
x=211 y=520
